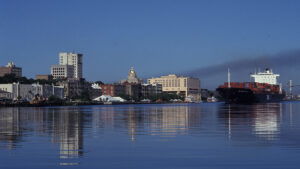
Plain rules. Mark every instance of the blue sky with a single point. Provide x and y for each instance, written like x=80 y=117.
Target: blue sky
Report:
x=156 y=37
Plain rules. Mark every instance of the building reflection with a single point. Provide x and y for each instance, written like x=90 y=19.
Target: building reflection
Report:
x=67 y=130
x=63 y=125
x=261 y=120
x=10 y=130
x=169 y=120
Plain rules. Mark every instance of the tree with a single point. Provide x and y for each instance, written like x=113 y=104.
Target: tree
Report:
x=84 y=96
x=99 y=82
x=54 y=99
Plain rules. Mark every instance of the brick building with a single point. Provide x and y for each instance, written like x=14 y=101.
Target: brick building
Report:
x=113 y=89
x=10 y=68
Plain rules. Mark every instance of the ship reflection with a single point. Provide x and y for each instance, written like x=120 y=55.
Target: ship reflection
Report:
x=262 y=120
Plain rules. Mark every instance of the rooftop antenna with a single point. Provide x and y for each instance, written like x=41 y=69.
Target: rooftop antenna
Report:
x=228 y=78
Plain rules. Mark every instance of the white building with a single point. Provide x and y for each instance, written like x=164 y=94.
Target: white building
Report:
x=29 y=91
x=6 y=95
x=265 y=77
x=73 y=59
x=70 y=66
x=62 y=71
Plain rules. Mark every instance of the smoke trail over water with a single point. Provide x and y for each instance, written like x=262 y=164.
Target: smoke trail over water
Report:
x=281 y=60
x=285 y=63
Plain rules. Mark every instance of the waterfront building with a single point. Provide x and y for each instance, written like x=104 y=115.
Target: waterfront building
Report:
x=70 y=66
x=187 y=87
x=73 y=87
x=5 y=95
x=11 y=68
x=45 y=90
x=78 y=88
x=29 y=91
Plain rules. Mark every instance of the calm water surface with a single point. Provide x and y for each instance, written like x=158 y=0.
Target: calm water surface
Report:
x=183 y=136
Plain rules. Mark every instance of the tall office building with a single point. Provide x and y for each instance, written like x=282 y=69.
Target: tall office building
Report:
x=68 y=61
x=73 y=59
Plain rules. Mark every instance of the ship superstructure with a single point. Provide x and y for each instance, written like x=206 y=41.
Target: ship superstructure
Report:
x=265 y=77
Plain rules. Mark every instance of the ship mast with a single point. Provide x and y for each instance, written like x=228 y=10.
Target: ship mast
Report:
x=228 y=78
x=291 y=85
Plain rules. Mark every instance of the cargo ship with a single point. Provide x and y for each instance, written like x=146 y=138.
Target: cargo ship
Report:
x=264 y=89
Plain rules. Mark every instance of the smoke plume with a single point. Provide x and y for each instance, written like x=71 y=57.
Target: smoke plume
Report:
x=284 y=59
x=285 y=63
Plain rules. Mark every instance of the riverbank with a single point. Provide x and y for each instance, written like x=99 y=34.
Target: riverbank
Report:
x=80 y=104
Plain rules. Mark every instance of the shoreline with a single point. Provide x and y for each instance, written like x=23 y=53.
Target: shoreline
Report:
x=87 y=104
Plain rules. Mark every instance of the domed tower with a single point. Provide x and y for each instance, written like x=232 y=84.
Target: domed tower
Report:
x=132 y=77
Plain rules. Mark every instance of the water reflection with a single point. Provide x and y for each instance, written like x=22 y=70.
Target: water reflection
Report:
x=266 y=122
x=68 y=130
x=66 y=125
x=165 y=121
x=10 y=131
x=262 y=120
x=74 y=130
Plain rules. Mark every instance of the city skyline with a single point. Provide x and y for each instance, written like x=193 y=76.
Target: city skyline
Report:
x=155 y=37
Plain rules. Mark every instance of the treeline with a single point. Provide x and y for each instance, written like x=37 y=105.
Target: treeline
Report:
x=11 y=78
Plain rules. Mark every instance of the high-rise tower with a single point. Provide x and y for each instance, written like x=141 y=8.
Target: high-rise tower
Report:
x=73 y=59
x=70 y=66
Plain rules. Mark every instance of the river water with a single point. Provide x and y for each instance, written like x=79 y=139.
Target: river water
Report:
x=170 y=136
